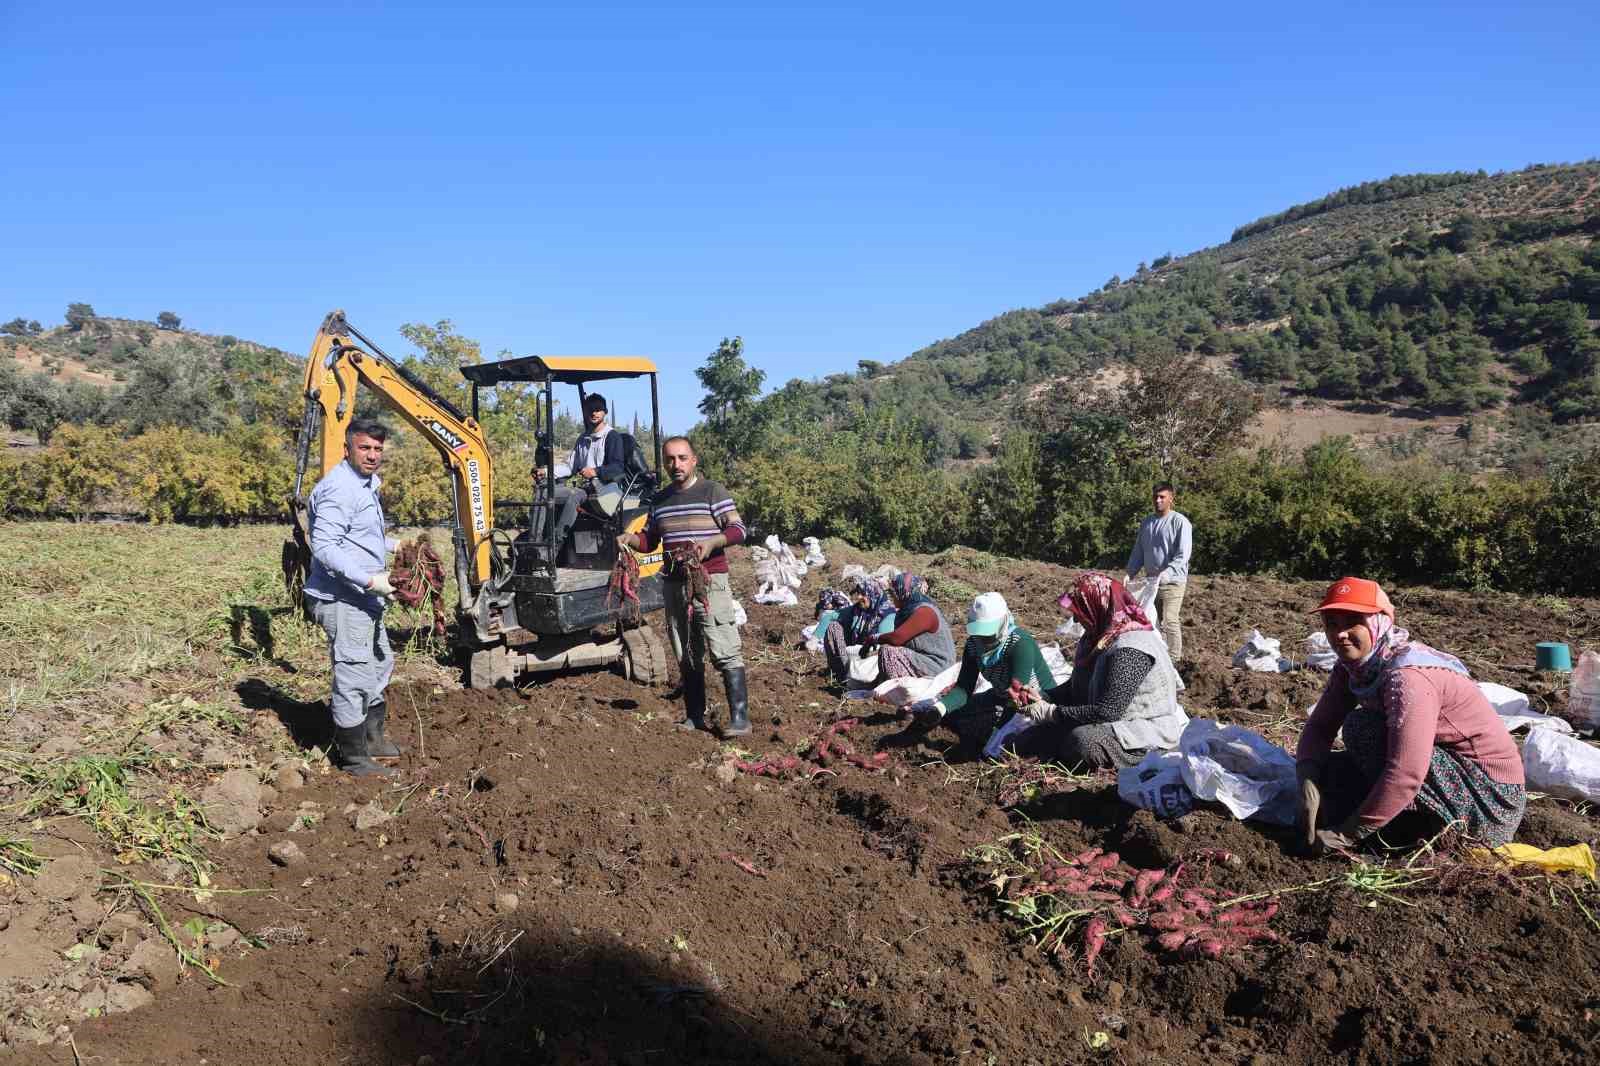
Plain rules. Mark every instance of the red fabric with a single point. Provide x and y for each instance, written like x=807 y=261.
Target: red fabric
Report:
x=1103 y=607
x=1425 y=706
x=923 y=620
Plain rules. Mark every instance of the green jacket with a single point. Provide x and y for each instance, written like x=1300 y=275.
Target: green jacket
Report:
x=1022 y=662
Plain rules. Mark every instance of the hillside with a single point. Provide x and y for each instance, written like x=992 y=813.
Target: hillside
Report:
x=97 y=369
x=1428 y=294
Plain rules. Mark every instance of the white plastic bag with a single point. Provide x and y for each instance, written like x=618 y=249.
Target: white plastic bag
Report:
x=1060 y=669
x=814 y=556
x=1156 y=784
x=739 y=617
x=1240 y=769
x=1319 y=653
x=1016 y=725
x=1144 y=590
x=1515 y=712
x=1583 y=693
x=862 y=671
x=1561 y=765
x=813 y=641
x=886 y=573
x=1261 y=654
x=1070 y=632
x=850 y=572
x=776 y=596
x=899 y=691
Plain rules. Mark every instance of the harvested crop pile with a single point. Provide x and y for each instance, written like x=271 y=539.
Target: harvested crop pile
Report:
x=822 y=750
x=418 y=576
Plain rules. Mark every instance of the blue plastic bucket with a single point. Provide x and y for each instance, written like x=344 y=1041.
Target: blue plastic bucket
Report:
x=1554 y=655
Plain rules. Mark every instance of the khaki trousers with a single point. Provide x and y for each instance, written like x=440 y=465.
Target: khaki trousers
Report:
x=695 y=635
x=1169 y=606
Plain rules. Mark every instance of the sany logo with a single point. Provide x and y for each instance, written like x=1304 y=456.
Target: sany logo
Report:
x=442 y=431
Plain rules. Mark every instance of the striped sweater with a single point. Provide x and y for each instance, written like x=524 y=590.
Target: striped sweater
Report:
x=683 y=515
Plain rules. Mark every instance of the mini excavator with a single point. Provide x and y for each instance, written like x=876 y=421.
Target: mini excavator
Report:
x=524 y=603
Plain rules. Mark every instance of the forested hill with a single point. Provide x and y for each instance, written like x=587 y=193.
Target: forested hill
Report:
x=1449 y=291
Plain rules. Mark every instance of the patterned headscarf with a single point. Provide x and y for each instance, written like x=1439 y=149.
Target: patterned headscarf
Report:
x=830 y=600
x=865 y=621
x=1105 y=610
x=1392 y=648
x=911 y=592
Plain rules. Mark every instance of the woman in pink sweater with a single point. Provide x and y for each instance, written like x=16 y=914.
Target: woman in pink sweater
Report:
x=1420 y=740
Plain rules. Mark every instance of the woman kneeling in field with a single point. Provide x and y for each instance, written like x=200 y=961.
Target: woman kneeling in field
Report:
x=1423 y=749
x=1122 y=699
x=997 y=650
x=868 y=613
x=920 y=644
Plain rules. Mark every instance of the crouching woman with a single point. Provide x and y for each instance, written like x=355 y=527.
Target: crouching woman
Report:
x=920 y=644
x=1122 y=698
x=1423 y=749
x=868 y=614
x=1000 y=652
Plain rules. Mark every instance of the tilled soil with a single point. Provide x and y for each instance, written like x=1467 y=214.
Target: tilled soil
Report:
x=668 y=908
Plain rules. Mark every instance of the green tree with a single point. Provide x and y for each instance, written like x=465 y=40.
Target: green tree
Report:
x=79 y=315
x=168 y=320
x=441 y=354
x=17 y=327
x=730 y=384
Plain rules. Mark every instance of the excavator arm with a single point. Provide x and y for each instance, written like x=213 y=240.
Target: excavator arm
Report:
x=334 y=368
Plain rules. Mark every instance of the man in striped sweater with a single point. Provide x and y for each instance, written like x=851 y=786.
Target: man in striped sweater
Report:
x=693 y=520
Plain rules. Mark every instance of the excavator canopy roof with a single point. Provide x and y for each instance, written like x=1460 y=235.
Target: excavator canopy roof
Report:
x=565 y=369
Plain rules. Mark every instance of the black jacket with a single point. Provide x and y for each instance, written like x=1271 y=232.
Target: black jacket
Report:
x=621 y=450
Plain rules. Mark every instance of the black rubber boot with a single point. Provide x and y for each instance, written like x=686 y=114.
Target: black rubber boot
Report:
x=694 y=702
x=378 y=745
x=353 y=755
x=738 y=703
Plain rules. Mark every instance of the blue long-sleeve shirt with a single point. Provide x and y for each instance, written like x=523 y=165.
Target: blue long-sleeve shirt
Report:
x=348 y=543
x=1162 y=548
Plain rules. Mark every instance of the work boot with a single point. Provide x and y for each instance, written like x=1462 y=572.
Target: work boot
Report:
x=738 y=703
x=694 y=702
x=378 y=745
x=353 y=755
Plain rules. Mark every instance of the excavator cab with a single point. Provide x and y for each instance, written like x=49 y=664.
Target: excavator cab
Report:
x=528 y=601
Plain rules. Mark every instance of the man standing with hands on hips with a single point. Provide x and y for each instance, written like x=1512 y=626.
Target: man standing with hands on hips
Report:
x=1162 y=551
x=692 y=521
x=346 y=589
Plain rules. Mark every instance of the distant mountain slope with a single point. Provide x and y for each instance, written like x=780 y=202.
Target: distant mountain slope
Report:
x=1454 y=292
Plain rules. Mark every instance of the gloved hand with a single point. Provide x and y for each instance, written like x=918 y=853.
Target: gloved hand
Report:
x=1309 y=775
x=379 y=585
x=1040 y=710
x=1341 y=839
x=925 y=712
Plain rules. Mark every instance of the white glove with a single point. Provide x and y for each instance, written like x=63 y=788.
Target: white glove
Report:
x=1039 y=711
x=379 y=585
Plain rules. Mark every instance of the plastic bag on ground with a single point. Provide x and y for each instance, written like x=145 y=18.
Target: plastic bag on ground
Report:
x=1583 y=692
x=776 y=596
x=1070 y=632
x=1574 y=857
x=1060 y=669
x=1157 y=784
x=1319 y=653
x=899 y=691
x=1513 y=709
x=1014 y=726
x=1261 y=654
x=1561 y=765
x=739 y=617
x=778 y=574
x=1240 y=769
x=850 y=572
x=813 y=642
x=814 y=556
x=886 y=573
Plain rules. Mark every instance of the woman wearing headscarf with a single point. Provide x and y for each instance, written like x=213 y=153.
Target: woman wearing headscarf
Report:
x=999 y=651
x=1420 y=739
x=920 y=644
x=869 y=612
x=1122 y=699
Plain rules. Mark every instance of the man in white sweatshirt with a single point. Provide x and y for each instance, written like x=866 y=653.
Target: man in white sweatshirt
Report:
x=1162 y=551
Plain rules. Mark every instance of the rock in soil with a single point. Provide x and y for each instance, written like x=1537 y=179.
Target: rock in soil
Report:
x=153 y=964
x=505 y=903
x=286 y=853
x=364 y=818
x=233 y=802
x=65 y=878
x=112 y=929
x=122 y=997
x=289 y=779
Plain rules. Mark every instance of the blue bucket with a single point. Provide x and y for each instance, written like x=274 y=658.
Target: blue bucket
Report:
x=1554 y=655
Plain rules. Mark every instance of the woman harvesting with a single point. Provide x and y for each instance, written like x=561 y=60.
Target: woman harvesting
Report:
x=920 y=644
x=1423 y=749
x=997 y=650
x=868 y=612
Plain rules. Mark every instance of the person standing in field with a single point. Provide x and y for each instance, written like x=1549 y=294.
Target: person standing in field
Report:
x=692 y=521
x=1161 y=551
x=346 y=590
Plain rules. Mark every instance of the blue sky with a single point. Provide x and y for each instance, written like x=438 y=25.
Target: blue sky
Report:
x=833 y=183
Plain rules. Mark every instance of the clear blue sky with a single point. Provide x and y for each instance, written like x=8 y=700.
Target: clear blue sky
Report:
x=830 y=183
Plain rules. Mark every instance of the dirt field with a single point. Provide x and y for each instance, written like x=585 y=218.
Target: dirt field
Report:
x=560 y=876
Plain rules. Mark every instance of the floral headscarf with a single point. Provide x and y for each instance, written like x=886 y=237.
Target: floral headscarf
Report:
x=1105 y=610
x=865 y=621
x=830 y=600
x=911 y=592
x=1392 y=648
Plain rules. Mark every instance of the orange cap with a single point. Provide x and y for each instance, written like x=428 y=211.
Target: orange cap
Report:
x=1358 y=595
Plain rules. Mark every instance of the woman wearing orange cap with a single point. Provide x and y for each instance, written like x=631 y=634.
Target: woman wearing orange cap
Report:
x=1420 y=740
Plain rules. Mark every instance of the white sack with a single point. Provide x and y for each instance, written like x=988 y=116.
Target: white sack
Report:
x=1070 y=631
x=813 y=642
x=814 y=556
x=1319 y=653
x=1583 y=692
x=850 y=572
x=1240 y=769
x=1144 y=590
x=776 y=596
x=1261 y=654
x=1561 y=765
x=739 y=617
x=1156 y=784
x=863 y=672
x=899 y=691
x=1514 y=711
x=1014 y=726
x=886 y=573
x=1060 y=669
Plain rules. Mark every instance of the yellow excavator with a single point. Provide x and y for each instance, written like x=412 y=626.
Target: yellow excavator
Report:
x=524 y=603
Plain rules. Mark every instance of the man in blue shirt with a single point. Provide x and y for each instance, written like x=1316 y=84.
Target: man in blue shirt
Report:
x=346 y=589
x=1162 y=551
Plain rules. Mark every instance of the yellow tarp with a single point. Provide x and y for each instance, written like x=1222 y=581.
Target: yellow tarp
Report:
x=1575 y=857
